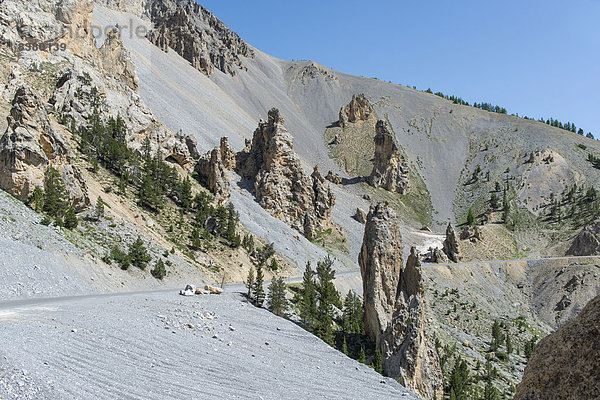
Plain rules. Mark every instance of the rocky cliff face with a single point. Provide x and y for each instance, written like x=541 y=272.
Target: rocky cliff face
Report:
x=197 y=35
x=359 y=109
x=566 y=364
x=280 y=184
x=116 y=60
x=587 y=241
x=395 y=305
x=30 y=145
x=390 y=171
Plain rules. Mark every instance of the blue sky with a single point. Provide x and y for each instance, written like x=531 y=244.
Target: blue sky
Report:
x=536 y=58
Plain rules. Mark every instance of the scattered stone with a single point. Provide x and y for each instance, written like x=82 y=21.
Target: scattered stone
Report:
x=189 y=290
x=199 y=291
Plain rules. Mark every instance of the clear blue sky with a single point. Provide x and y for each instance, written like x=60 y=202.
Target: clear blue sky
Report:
x=536 y=58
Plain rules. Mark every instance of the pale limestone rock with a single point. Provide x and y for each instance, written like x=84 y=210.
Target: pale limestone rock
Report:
x=390 y=171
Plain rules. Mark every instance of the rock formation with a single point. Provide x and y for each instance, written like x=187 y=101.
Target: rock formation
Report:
x=587 y=241
x=451 y=246
x=380 y=261
x=566 y=364
x=211 y=171
x=390 y=171
x=334 y=178
x=227 y=155
x=395 y=305
x=438 y=256
x=359 y=109
x=196 y=35
x=116 y=60
x=29 y=146
x=280 y=185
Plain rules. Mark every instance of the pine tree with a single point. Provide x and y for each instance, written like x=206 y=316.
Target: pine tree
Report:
x=99 y=210
x=37 y=199
x=55 y=195
x=185 y=194
x=345 y=346
x=494 y=203
x=259 y=291
x=459 y=379
x=509 y=346
x=308 y=303
x=71 y=220
x=497 y=336
x=470 y=217
x=250 y=282
x=159 y=271
x=196 y=242
x=377 y=362
x=276 y=301
x=490 y=392
x=138 y=254
x=327 y=297
x=361 y=356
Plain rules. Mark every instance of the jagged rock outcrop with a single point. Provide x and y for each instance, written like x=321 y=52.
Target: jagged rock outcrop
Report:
x=380 y=261
x=451 y=246
x=30 y=145
x=390 y=171
x=197 y=35
x=360 y=215
x=280 y=184
x=227 y=155
x=117 y=62
x=566 y=364
x=408 y=352
x=334 y=178
x=587 y=241
x=359 y=109
x=212 y=173
x=395 y=305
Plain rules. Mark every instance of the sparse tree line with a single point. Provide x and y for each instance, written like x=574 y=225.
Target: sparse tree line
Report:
x=319 y=307
x=568 y=126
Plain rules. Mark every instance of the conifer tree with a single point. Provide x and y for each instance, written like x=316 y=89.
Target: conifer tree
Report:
x=159 y=271
x=361 y=356
x=327 y=297
x=99 y=210
x=308 y=303
x=276 y=301
x=250 y=282
x=138 y=254
x=37 y=199
x=345 y=346
x=509 y=346
x=377 y=362
x=71 y=220
x=470 y=217
x=259 y=291
x=55 y=195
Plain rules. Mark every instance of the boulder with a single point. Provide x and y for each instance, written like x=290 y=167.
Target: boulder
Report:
x=438 y=256
x=390 y=171
x=360 y=215
x=213 y=289
x=30 y=145
x=566 y=364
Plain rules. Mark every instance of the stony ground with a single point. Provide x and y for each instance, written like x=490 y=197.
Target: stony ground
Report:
x=159 y=345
